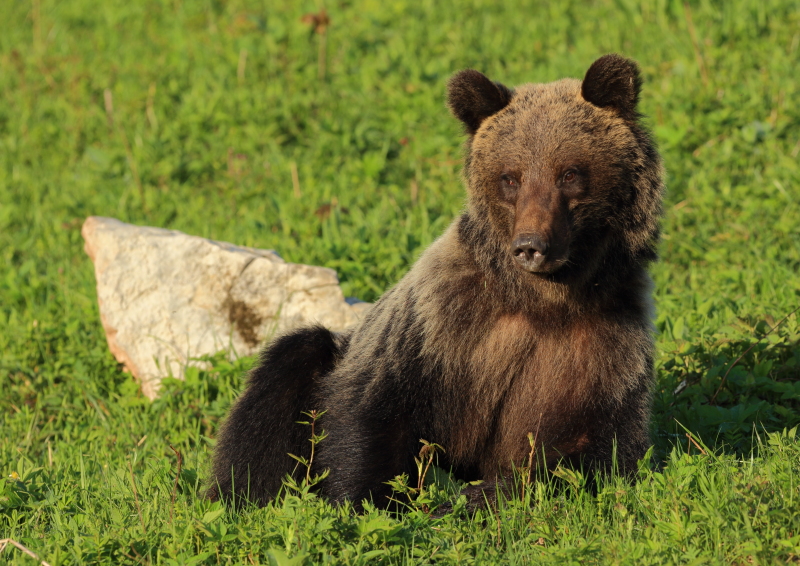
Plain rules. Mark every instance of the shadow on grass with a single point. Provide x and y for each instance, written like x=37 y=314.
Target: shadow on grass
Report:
x=725 y=402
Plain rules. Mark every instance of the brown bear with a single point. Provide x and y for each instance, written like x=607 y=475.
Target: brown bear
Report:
x=530 y=314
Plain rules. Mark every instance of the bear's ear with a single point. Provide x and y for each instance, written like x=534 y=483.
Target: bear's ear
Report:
x=472 y=98
x=613 y=81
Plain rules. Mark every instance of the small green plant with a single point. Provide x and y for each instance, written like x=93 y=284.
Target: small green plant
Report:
x=525 y=472
x=308 y=482
x=418 y=496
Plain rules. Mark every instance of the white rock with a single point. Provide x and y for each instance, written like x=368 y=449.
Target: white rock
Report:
x=167 y=298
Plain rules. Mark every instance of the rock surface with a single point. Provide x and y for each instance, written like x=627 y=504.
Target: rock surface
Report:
x=167 y=298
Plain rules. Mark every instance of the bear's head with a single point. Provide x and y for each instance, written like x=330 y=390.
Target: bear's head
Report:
x=561 y=175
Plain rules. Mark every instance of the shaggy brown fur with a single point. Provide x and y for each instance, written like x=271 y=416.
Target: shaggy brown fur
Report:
x=531 y=313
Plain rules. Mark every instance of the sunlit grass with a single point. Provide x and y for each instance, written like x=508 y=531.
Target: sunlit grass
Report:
x=193 y=115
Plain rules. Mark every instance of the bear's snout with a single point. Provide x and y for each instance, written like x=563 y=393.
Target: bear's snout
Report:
x=533 y=253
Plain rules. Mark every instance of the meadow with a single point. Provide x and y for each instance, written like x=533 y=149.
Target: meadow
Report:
x=326 y=138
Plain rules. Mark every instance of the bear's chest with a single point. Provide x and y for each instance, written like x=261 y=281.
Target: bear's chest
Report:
x=508 y=366
x=521 y=356
x=547 y=380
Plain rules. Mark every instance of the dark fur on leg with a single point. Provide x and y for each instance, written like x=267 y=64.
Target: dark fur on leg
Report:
x=251 y=456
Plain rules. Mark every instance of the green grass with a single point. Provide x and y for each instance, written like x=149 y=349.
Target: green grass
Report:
x=212 y=104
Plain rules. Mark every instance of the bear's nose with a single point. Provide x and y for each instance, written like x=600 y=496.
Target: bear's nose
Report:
x=530 y=251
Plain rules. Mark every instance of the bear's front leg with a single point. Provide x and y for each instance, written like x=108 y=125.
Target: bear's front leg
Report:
x=371 y=438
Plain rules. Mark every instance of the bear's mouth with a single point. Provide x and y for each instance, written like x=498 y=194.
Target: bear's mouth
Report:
x=544 y=266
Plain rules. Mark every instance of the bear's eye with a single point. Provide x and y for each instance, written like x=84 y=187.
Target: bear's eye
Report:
x=569 y=176
x=508 y=180
x=509 y=187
